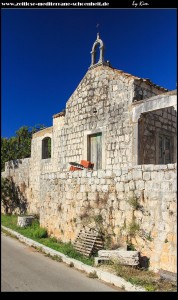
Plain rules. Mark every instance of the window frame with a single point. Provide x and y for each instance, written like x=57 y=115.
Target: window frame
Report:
x=44 y=144
x=85 y=151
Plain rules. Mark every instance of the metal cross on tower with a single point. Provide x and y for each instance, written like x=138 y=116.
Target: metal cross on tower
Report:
x=97 y=26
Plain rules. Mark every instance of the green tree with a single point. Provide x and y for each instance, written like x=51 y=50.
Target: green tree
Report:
x=18 y=146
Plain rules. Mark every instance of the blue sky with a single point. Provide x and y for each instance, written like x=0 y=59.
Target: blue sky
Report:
x=46 y=53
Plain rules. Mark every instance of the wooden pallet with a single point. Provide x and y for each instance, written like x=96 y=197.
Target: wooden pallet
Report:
x=88 y=242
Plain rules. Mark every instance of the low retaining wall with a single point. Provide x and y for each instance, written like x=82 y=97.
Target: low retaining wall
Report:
x=136 y=205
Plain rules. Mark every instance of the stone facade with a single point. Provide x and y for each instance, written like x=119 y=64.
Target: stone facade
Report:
x=151 y=126
x=137 y=203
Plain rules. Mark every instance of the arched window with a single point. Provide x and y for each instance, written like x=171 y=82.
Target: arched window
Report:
x=46 y=148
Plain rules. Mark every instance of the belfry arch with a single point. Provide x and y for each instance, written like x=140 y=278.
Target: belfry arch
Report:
x=93 y=52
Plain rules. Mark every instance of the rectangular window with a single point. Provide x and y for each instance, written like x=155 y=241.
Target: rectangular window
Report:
x=95 y=150
x=165 y=149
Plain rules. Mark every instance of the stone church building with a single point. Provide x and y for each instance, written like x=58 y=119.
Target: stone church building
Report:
x=126 y=126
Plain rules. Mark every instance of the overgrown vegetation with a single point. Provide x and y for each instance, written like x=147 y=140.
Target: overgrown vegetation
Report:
x=147 y=279
x=133 y=228
x=142 y=277
x=40 y=233
x=93 y=275
x=18 y=146
x=133 y=201
x=54 y=257
x=37 y=234
x=71 y=265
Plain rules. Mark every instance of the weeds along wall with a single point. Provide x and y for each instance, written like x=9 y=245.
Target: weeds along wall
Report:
x=136 y=205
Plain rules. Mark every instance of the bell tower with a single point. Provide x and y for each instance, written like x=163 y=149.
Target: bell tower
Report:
x=101 y=60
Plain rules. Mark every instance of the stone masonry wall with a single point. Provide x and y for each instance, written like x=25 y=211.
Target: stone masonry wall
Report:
x=70 y=200
x=143 y=89
x=27 y=178
x=19 y=171
x=37 y=166
x=152 y=124
x=101 y=103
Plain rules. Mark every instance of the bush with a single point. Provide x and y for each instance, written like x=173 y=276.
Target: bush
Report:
x=133 y=228
x=133 y=201
x=40 y=233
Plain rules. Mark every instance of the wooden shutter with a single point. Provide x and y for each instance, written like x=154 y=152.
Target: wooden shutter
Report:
x=165 y=149
x=95 y=150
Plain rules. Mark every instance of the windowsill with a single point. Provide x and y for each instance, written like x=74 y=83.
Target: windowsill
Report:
x=46 y=160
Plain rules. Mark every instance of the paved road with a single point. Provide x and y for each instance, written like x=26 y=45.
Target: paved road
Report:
x=25 y=269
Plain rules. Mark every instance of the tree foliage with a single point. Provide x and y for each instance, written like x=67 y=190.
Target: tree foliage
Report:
x=18 y=146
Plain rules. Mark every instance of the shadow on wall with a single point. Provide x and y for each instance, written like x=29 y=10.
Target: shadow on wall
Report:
x=12 y=197
x=144 y=262
x=13 y=164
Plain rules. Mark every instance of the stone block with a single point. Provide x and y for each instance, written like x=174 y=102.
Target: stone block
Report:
x=69 y=196
x=118 y=173
x=93 y=188
x=102 y=181
x=84 y=172
x=94 y=173
x=165 y=186
x=130 y=176
x=171 y=166
x=173 y=186
x=130 y=258
x=124 y=178
x=108 y=173
x=126 y=187
x=140 y=185
x=24 y=221
x=89 y=174
x=148 y=167
x=137 y=174
x=92 y=196
x=104 y=188
x=79 y=196
x=146 y=175
x=82 y=188
x=150 y=185
x=124 y=171
x=101 y=174
x=170 y=175
x=120 y=187
x=132 y=185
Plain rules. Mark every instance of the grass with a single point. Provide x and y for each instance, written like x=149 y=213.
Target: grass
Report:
x=93 y=275
x=133 y=201
x=133 y=228
x=37 y=234
x=54 y=257
x=147 y=279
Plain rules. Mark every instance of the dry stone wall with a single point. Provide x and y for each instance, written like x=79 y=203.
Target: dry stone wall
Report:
x=18 y=171
x=26 y=177
x=132 y=205
x=71 y=200
x=152 y=124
